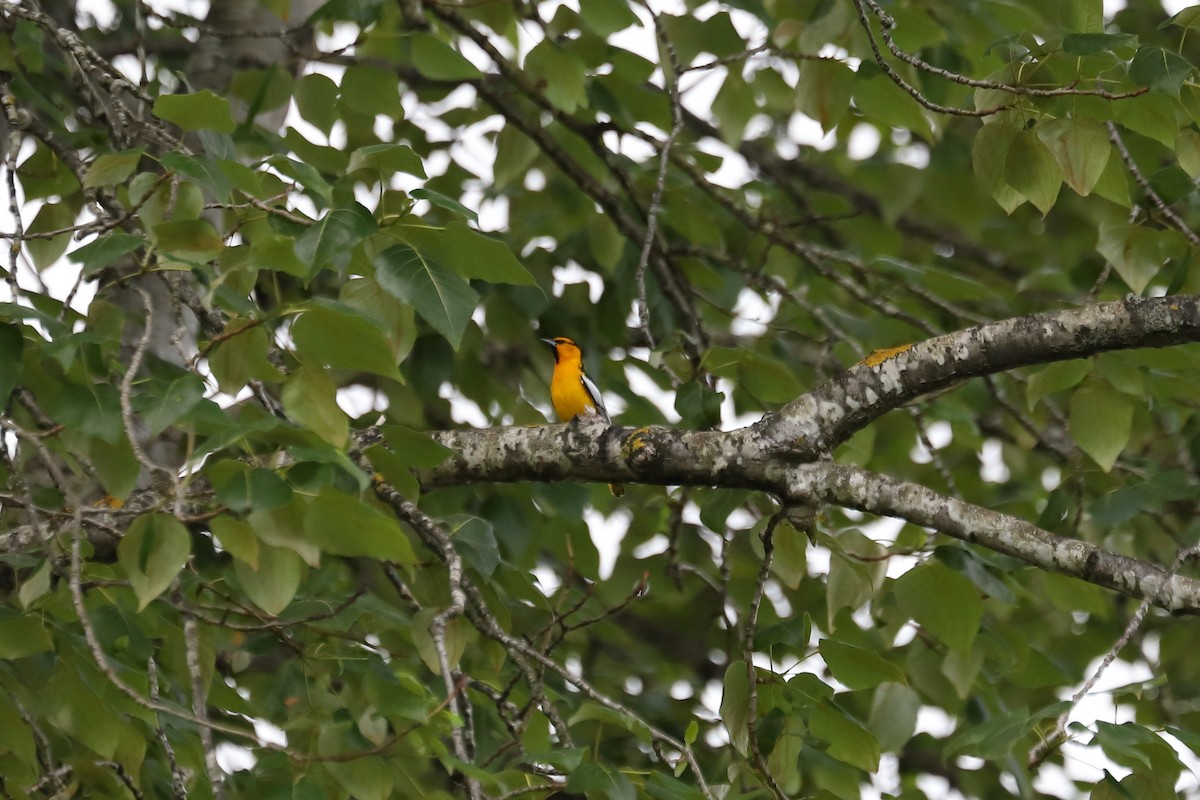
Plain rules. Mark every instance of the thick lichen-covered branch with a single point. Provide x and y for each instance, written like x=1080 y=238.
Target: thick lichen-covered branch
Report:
x=784 y=453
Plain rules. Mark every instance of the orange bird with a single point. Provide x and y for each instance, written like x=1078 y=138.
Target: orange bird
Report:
x=572 y=392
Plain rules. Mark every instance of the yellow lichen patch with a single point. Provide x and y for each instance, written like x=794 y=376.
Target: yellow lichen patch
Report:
x=634 y=442
x=879 y=356
x=108 y=501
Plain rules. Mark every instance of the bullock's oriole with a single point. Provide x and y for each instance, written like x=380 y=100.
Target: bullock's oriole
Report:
x=572 y=392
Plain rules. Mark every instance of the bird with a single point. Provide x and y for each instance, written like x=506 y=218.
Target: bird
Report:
x=572 y=392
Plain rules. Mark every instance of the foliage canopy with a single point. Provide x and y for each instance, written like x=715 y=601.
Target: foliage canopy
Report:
x=240 y=237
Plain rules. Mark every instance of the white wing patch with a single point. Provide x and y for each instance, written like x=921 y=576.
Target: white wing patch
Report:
x=596 y=406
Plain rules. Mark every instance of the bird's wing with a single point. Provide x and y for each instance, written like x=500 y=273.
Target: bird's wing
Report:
x=596 y=406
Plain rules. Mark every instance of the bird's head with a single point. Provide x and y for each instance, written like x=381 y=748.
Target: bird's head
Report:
x=565 y=349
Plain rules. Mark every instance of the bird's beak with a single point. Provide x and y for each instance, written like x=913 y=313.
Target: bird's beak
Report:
x=548 y=341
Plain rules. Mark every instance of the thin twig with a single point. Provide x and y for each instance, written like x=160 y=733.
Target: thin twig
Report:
x=887 y=24
x=101 y=660
x=15 y=127
x=126 y=392
x=178 y=778
x=671 y=79
x=191 y=642
x=1059 y=735
x=913 y=92
x=1130 y=164
x=748 y=630
x=125 y=777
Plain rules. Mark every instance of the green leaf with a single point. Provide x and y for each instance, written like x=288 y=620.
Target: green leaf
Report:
x=36 y=585
x=1086 y=44
x=858 y=667
x=1081 y=147
x=441 y=297
x=823 y=90
x=193 y=112
x=23 y=636
x=735 y=704
x=994 y=738
x=12 y=346
x=435 y=59
x=793 y=632
x=942 y=601
x=848 y=741
x=237 y=538
x=331 y=238
x=44 y=175
x=386 y=464
x=1054 y=378
x=1100 y=423
x=1152 y=115
x=1187 y=151
x=273 y=585
x=109 y=170
x=1030 y=168
x=515 y=152
x=101 y=252
x=852 y=581
x=606 y=17
x=989 y=155
x=385 y=159
x=559 y=73
x=717 y=504
x=372 y=90
x=152 y=552
x=1162 y=70
x=790 y=562
x=784 y=760
x=442 y=201
x=304 y=174
x=893 y=717
x=190 y=239
x=475 y=540
x=316 y=100
x=1189 y=739
x=1136 y=253
x=1187 y=19
x=240 y=356
x=94 y=409
x=364 y=778
x=414 y=448
x=881 y=100
x=116 y=465
x=1129 y=744
x=204 y=170
x=310 y=398
x=767 y=379
x=51 y=217
x=456 y=641
x=344 y=525
x=699 y=406
x=161 y=402
x=341 y=337
x=596 y=780
x=471 y=254
x=1123 y=373
x=284 y=527
x=665 y=787
x=241 y=487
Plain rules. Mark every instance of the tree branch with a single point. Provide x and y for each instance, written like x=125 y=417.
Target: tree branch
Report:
x=769 y=455
x=879 y=494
